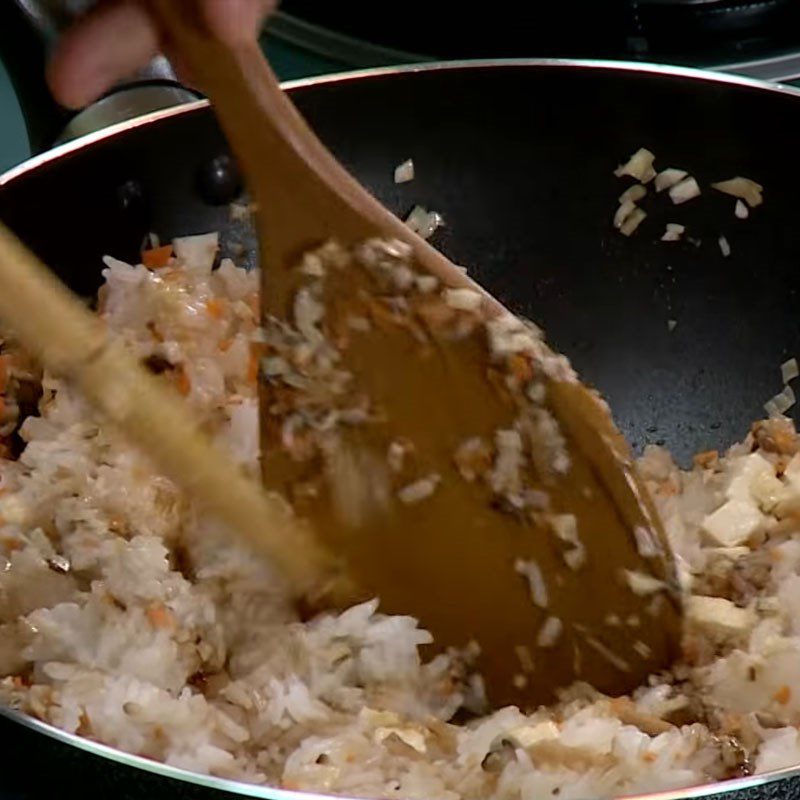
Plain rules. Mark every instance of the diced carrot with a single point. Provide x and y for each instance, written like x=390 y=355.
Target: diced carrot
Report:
x=158 y=257
x=520 y=367
x=783 y=695
x=225 y=345
x=184 y=383
x=160 y=616
x=253 y=301
x=216 y=307
x=706 y=459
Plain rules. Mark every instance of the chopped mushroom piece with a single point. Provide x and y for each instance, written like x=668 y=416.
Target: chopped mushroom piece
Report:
x=684 y=191
x=639 y=166
x=743 y=188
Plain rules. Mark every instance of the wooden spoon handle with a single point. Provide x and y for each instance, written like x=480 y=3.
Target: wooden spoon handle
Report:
x=73 y=343
x=259 y=118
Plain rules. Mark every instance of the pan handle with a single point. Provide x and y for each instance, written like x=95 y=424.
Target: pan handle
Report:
x=35 y=25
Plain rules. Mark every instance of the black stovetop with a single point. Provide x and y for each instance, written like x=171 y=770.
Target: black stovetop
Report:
x=696 y=32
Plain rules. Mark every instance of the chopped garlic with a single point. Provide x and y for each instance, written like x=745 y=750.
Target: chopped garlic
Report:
x=404 y=172
x=733 y=523
x=673 y=233
x=633 y=221
x=668 y=178
x=724 y=246
x=626 y=208
x=741 y=210
x=633 y=194
x=639 y=166
x=743 y=188
x=684 y=191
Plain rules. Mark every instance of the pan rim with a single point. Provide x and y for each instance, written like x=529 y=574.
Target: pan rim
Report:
x=107 y=752
x=640 y=67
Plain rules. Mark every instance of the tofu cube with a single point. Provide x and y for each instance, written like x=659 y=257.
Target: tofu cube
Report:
x=733 y=523
x=719 y=617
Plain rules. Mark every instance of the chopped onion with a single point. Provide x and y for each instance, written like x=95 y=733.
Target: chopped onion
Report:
x=771 y=409
x=639 y=166
x=404 y=172
x=790 y=370
x=632 y=222
x=623 y=212
x=741 y=210
x=743 y=188
x=531 y=571
x=672 y=324
x=550 y=632
x=668 y=178
x=424 y=222
x=633 y=193
x=463 y=299
x=724 y=246
x=673 y=232
x=684 y=191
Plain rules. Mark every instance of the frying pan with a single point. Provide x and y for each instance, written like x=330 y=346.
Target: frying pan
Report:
x=518 y=158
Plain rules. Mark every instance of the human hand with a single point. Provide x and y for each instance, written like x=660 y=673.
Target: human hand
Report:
x=118 y=37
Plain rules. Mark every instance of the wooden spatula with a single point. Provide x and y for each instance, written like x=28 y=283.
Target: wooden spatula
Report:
x=466 y=478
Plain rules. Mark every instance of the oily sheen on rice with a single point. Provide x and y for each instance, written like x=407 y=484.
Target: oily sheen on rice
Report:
x=127 y=618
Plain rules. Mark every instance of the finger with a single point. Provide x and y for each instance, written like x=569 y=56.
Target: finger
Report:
x=234 y=21
x=109 y=44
